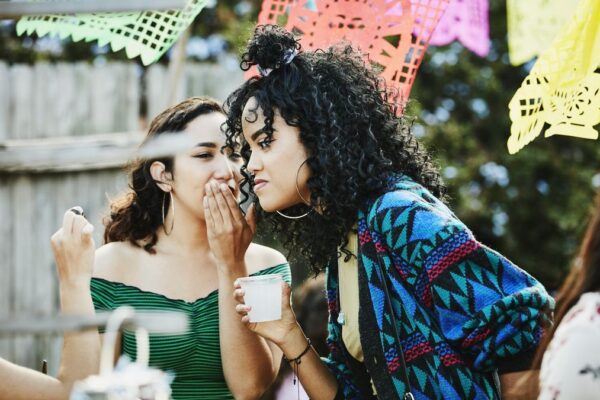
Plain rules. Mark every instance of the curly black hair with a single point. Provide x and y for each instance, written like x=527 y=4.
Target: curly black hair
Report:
x=347 y=123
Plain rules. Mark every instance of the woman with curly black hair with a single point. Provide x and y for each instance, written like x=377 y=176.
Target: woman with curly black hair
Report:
x=417 y=305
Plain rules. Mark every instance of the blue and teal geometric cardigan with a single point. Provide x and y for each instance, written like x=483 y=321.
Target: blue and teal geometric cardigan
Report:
x=460 y=307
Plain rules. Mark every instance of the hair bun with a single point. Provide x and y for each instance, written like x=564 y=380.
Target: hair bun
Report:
x=269 y=47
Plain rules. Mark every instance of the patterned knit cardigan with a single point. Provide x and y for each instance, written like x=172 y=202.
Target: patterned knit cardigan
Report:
x=460 y=307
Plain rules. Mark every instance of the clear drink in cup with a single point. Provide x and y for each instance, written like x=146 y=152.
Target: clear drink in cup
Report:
x=263 y=294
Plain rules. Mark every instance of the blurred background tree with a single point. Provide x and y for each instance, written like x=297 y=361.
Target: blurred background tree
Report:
x=532 y=206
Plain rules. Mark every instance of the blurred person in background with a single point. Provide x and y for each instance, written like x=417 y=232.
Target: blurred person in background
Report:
x=570 y=352
x=73 y=247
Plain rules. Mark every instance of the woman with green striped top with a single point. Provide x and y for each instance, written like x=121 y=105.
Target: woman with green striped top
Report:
x=161 y=254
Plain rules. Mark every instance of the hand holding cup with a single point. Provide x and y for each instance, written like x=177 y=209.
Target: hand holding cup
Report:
x=276 y=330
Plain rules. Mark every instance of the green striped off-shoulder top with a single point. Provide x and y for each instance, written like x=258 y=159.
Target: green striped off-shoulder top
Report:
x=195 y=357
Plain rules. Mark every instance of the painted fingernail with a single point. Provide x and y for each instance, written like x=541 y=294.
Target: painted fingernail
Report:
x=205 y=201
x=223 y=187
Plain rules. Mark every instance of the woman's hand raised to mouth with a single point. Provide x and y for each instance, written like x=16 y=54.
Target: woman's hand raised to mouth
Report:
x=229 y=231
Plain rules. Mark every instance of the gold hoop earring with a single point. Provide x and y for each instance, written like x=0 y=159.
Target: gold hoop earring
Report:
x=300 y=195
x=163 y=213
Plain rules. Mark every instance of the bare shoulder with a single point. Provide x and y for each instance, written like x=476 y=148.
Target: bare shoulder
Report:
x=114 y=259
x=259 y=257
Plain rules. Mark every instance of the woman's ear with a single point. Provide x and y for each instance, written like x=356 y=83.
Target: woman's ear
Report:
x=161 y=176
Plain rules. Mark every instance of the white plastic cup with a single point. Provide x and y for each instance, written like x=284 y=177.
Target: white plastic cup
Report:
x=263 y=294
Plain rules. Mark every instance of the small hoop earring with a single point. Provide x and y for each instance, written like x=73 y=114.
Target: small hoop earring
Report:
x=163 y=213
x=303 y=199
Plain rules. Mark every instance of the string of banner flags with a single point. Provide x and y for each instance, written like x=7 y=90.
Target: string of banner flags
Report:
x=560 y=96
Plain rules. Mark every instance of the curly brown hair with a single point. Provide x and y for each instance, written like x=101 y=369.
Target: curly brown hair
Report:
x=135 y=216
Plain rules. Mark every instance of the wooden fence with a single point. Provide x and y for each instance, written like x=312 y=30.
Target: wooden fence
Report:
x=65 y=132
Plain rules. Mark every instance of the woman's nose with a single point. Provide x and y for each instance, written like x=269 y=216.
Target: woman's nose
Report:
x=225 y=169
x=253 y=164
